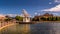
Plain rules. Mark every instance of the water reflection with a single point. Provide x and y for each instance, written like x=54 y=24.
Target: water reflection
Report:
x=45 y=28
x=17 y=29
x=40 y=28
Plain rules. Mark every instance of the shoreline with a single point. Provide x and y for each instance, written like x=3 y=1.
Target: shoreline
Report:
x=6 y=26
x=35 y=22
x=46 y=21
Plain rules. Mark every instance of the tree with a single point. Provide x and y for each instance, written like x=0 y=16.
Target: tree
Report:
x=7 y=16
x=19 y=18
x=58 y=18
x=50 y=18
x=8 y=19
x=43 y=18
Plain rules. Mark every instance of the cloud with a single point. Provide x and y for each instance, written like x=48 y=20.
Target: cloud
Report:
x=11 y=15
x=35 y=13
x=55 y=9
x=56 y=14
x=50 y=3
x=57 y=1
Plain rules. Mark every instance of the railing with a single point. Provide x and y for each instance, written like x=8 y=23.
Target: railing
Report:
x=3 y=23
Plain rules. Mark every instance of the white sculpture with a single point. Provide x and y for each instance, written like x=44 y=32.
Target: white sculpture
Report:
x=26 y=17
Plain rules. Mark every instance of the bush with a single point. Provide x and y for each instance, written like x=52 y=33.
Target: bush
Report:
x=19 y=18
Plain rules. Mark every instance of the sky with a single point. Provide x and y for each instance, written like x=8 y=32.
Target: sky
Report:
x=33 y=7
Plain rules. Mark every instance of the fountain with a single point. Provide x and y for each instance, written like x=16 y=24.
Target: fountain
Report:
x=26 y=17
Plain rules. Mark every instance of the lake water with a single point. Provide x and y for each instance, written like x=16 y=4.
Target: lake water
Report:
x=40 y=28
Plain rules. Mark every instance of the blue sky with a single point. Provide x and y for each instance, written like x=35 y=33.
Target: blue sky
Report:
x=31 y=6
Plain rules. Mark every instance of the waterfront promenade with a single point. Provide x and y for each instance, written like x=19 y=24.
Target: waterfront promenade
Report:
x=5 y=24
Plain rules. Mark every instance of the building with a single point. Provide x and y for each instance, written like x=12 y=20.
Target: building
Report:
x=2 y=17
x=26 y=16
x=45 y=15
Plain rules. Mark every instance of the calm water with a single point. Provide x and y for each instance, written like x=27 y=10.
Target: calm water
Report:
x=40 y=28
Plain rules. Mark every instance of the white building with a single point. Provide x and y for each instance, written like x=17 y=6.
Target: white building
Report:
x=26 y=16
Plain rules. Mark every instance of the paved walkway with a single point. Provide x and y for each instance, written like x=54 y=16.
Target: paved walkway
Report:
x=5 y=24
